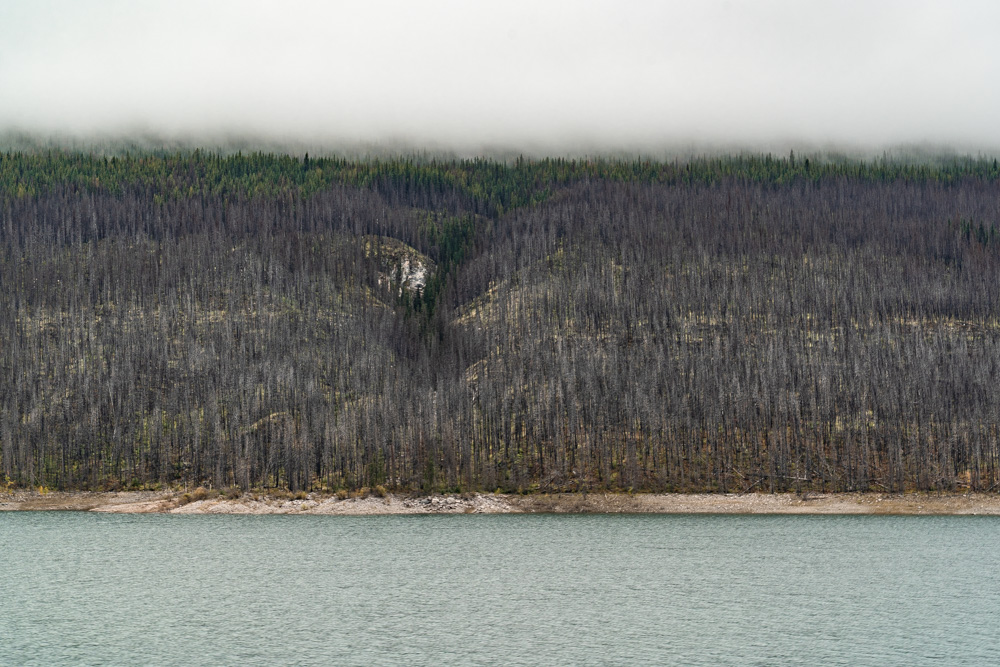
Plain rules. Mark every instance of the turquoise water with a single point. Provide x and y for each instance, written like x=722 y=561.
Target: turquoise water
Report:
x=79 y=588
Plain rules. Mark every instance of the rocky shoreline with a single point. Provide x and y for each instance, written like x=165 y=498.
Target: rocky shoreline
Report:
x=169 y=502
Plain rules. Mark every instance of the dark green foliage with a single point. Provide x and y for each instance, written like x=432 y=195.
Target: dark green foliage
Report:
x=481 y=185
x=981 y=233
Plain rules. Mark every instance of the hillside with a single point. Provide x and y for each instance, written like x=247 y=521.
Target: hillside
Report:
x=747 y=323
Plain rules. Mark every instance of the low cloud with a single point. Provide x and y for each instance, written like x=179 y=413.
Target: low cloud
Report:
x=547 y=77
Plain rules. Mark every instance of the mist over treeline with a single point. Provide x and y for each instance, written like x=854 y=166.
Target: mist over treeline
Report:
x=726 y=323
x=151 y=142
x=662 y=80
x=552 y=77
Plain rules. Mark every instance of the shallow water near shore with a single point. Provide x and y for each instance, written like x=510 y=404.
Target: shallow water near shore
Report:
x=87 y=588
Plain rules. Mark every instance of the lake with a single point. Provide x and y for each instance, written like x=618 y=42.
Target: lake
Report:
x=83 y=588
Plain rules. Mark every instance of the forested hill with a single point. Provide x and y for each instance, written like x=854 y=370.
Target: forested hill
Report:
x=730 y=324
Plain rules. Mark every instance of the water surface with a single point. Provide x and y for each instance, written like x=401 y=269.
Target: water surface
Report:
x=83 y=588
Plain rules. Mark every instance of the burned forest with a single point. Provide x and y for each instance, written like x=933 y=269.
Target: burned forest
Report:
x=722 y=324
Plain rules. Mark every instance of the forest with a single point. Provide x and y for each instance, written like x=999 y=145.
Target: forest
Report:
x=724 y=324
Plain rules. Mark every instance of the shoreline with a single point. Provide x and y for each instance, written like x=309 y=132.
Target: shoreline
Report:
x=170 y=502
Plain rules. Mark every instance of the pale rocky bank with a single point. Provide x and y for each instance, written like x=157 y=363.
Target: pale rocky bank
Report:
x=489 y=503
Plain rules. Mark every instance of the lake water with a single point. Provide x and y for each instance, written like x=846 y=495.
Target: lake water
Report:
x=79 y=588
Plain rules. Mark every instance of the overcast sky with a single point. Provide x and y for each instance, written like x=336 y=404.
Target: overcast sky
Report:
x=468 y=73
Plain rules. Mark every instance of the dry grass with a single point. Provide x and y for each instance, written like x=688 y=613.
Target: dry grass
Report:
x=201 y=493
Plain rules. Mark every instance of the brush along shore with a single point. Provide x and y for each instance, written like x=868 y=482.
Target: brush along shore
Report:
x=201 y=501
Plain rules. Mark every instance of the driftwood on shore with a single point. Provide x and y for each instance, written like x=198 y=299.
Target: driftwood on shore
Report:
x=749 y=503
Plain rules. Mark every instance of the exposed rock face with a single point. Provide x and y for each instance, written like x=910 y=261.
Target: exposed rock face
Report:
x=401 y=264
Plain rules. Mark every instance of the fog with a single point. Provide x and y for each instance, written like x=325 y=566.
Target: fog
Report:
x=539 y=76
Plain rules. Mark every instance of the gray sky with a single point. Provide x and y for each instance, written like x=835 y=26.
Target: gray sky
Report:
x=554 y=75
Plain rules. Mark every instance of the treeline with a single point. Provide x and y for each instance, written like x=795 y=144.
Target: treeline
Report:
x=481 y=185
x=747 y=323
